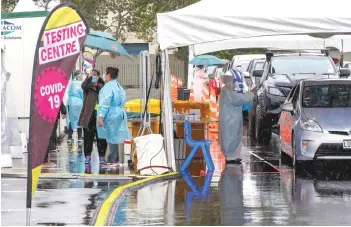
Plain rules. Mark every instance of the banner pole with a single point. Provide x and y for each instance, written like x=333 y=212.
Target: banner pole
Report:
x=28 y=216
x=29 y=185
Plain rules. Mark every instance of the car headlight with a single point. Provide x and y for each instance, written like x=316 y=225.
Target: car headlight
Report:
x=310 y=125
x=274 y=91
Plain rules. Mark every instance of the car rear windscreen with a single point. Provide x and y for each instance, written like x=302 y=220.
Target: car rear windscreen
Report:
x=259 y=65
x=327 y=96
x=302 y=65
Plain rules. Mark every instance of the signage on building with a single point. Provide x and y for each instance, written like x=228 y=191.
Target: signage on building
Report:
x=10 y=30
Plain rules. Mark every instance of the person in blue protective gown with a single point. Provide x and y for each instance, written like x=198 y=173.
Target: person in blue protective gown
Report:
x=234 y=95
x=112 y=118
x=74 y=105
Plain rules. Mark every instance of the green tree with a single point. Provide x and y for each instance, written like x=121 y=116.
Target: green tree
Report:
x=95 y=12
x=121 y=19
x=144 y=15
x=8 y=5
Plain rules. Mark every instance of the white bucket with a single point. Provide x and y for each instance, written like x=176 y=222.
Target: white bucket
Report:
x=16 y=152
x=127 y=150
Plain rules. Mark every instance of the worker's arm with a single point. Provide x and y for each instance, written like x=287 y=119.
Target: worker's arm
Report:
x=86 y=85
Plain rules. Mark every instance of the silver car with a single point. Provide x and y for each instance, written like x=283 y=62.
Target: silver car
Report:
x=315 y=122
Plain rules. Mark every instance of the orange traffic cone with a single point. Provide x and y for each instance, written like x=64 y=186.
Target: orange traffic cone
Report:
x=191 y=99
x=180 y=82
x=213 y=104
x=174 y=89
x=205 y=93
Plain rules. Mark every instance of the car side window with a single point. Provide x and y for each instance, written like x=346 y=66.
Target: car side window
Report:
x=249 y=68
x=295 y=97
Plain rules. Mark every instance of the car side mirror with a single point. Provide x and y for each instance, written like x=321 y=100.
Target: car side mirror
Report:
x=344 y=72
x=246 y=74
x=287 y=107
x=257 y=73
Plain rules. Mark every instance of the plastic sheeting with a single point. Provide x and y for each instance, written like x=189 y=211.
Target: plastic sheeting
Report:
x=215 y=20
x=150 y=152
x=6 y=160
x=9 y=129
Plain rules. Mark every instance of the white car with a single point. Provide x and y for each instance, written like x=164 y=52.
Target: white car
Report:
x=243 y=61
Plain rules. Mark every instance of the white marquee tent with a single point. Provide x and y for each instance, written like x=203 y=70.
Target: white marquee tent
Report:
x=215 y=20
x=219 y=20
x=283 y=42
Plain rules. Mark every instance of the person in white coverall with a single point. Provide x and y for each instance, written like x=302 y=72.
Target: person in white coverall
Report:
x=234 y=95
x=199 y=79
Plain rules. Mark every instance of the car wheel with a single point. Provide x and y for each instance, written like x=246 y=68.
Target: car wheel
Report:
x=252 y=119
x=263 y=130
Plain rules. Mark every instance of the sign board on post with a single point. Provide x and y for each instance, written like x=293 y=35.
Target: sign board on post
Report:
x=60 y=40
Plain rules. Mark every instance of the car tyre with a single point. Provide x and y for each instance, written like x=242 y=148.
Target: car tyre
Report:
x=263 y=133
x=284 y=158
x=252 y=121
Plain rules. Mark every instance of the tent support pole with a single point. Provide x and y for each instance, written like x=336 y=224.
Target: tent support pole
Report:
x=167 y=112
x=190 y=67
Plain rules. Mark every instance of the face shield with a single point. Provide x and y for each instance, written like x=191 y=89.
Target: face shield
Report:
x=235 y=81
x=227 y=78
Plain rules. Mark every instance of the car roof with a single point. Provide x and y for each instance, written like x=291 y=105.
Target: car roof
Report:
x=300 y=54
x=313 y=82
x=260 y=60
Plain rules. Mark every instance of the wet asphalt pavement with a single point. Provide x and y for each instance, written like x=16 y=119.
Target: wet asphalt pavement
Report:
x=261 y=191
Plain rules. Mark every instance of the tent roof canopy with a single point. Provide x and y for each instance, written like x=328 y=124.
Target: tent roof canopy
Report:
x=283 y=42
x=218 y=20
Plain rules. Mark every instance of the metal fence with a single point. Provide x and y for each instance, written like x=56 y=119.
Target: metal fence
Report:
x=129 y=70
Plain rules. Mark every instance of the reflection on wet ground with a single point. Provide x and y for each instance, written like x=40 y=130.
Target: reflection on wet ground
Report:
x=56 y=202
x=261 y=191
x=69 y=158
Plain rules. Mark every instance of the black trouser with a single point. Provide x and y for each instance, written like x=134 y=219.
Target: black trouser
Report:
x=52 y=143
x=70 y=132
x=89 y=134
